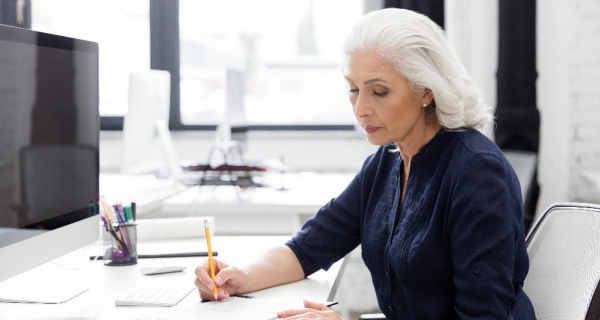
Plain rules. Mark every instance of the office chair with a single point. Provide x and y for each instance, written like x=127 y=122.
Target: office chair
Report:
x=44 y=171
x=564 y=257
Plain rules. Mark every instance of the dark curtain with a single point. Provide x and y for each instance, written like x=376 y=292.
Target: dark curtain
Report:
x=517 y=116
x=9 y=16
x=164 y=48
x=434 y=9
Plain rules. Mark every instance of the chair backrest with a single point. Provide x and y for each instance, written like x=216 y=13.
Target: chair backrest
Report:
x=564 y=256
x=525 y=163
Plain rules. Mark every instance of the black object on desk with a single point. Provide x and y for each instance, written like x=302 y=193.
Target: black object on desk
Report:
x=167 y=255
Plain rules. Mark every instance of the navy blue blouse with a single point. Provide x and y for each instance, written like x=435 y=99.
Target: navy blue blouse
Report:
x=458 y=248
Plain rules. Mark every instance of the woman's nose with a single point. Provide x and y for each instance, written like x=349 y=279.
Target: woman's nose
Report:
x=361 y=108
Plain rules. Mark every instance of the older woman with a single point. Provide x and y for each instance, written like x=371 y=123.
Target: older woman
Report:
x=437 y=209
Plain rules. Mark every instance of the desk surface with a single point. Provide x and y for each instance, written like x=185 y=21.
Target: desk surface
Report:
x=259 y=211
x=107 y=283
x=303 y=192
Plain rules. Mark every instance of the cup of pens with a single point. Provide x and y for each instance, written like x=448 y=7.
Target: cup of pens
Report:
x=120 y=234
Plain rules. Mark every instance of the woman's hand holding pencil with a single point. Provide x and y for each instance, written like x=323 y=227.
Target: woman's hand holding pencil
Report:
x=228 y=280
x=217 y=280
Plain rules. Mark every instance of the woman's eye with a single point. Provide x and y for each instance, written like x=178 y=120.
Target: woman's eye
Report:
x=353 y=90
x=380 y=93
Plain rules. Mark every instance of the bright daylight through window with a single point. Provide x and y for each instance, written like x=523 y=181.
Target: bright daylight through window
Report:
x=289 y=53
x=122 y=30
x=286 y=53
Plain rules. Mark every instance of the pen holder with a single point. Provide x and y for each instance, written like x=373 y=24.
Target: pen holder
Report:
x=121 y=250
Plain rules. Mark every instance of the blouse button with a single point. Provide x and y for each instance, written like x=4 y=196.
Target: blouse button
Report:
x=390 y=308
x=476 y=271
x=387 y=273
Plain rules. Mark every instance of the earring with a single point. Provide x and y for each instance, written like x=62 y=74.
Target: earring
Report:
x=424 y=105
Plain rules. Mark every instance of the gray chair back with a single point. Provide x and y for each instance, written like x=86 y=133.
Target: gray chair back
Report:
x=564 y=256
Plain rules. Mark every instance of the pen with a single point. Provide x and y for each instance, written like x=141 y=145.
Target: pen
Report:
x=121 y=222
x=134 y=211
x=117 y=213
x=211 y=263
x=119 y=209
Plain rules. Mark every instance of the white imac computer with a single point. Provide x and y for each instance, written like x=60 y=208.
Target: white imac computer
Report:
x=49 y=142
x=148 y=109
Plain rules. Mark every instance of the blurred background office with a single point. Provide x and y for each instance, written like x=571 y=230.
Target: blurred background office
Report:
x=536 y=62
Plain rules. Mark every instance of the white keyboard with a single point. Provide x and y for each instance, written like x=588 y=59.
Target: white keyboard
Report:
x=156 y=295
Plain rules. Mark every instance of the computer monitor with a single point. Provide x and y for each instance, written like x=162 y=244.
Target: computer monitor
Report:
x=49 y=142
x=149 y=102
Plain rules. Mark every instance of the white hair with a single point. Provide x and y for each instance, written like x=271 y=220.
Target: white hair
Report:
x=416 y=47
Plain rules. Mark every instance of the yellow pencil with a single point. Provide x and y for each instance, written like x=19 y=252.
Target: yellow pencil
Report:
x=108 y=217
x=211 y=263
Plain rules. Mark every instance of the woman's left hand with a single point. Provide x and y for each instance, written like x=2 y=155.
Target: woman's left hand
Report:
x=313 y=310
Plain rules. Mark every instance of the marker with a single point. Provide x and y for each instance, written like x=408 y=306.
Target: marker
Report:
x=211 y=263
x=133 y=211
x=128 y=214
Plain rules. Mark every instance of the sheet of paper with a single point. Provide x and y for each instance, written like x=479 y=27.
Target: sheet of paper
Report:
x=313 y=289
x=232 y=308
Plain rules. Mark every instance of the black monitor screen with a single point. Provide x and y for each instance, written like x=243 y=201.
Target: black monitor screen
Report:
x=49 y=131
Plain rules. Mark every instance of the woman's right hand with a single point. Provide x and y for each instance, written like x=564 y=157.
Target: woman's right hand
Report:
x=229 y=280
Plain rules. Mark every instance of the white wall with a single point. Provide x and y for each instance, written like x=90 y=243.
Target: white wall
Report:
x=553 y=34
x=584 y=97
x=569 y=100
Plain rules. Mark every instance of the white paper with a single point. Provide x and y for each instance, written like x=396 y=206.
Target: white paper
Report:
x=232 y=308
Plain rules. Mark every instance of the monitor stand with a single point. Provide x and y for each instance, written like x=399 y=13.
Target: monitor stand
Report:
x=49 y=283
x=47 y=294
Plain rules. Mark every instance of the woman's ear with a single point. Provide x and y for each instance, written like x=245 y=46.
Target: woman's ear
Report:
x=427 y=97
x=427 y=93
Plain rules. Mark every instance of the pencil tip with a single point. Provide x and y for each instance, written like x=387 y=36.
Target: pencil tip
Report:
x=216 y=296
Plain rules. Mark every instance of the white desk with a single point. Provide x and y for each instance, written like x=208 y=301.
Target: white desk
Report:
x=145 y=190
x=260 y=211
x=106 y=283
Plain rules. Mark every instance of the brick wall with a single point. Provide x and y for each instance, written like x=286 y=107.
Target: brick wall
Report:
x=584 y=98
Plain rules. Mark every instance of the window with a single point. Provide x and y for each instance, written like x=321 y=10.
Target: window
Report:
x=121 y=29
x=287 y=51
x=284 y=56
